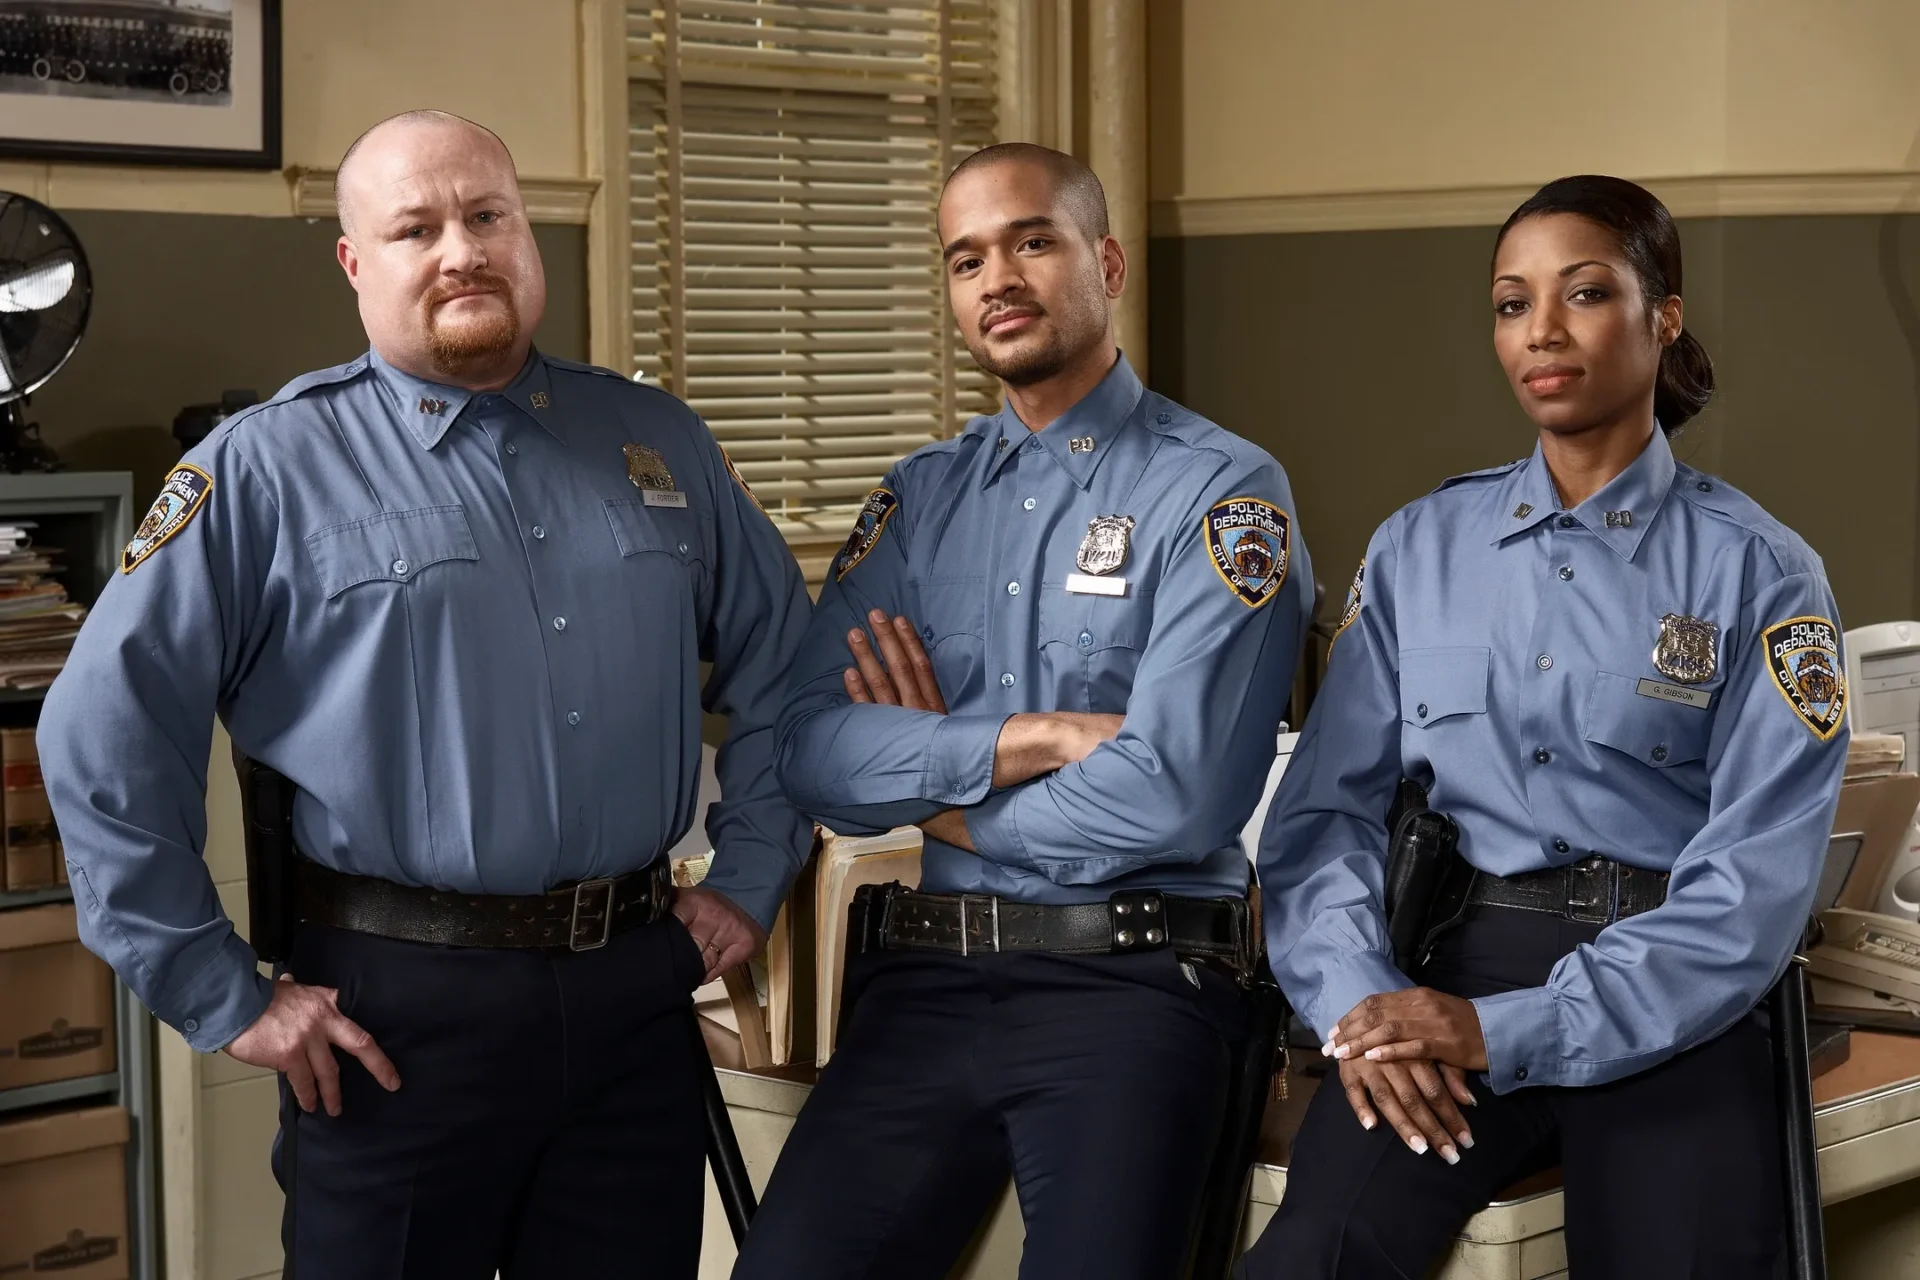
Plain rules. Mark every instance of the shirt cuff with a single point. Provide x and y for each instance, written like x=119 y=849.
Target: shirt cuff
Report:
x=994 y=827
x=224 y=998
x=762 y=902
x=960 y=758
x=1521 y=1031
x=1347 y=983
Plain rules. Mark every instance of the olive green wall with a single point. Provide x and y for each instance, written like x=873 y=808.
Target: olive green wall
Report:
x=188 y=305
x=1363 y=361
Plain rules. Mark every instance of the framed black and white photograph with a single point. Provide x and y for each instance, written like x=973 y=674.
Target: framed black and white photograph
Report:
x=181 y=82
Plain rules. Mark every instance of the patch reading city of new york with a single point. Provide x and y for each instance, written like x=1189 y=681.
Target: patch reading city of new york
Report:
x=1803 y=656
x=1248 y=542
x=867 y=528
x=180 y=497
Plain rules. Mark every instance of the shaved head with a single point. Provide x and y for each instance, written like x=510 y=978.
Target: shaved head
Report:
x=342 y=184
x=1075 y=186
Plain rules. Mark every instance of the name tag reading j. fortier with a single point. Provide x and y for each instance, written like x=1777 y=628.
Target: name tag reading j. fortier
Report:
x=663 y=498
x=1086 y=584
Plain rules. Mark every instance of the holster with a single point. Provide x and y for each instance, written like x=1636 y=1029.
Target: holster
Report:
x=1427 y=881
x=266 y=810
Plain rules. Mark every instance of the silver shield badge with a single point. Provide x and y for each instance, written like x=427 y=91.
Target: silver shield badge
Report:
x=1685 y=651
x=1104 y=549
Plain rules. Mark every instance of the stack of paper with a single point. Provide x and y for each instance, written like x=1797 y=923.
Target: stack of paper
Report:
x=846 y=863
x=38 y=623
x=1874 y=755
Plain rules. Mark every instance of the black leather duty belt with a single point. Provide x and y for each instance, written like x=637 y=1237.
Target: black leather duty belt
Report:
x=901 y=919
x=574 y=917
x=1594 y=890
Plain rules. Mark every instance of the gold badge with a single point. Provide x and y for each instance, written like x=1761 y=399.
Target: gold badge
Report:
x=646 y=468
x=1685 y=653
x=1104 y=549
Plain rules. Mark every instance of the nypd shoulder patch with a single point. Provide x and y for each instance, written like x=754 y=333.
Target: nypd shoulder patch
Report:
x=741 y=481
x=867 y=528
x=1352 y=609
x=181 y=498
x=1803 y=657
x=1249 y=542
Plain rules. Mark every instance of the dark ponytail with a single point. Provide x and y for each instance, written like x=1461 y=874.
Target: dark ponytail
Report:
x=1651 y=244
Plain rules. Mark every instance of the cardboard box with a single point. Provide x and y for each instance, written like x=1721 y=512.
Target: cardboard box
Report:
x=1881 y=810
x=63 y=1195
x=56 y=1021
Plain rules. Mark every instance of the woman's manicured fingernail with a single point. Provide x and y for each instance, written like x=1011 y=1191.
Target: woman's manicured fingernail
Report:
x=1367 y=1123
x=1418 y=1144
x=1373 y=1055
x=1450 y=1155
x=1326 y=1050
x=1466 y=1140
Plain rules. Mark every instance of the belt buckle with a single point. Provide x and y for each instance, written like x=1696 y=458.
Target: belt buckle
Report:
x=581 y=894
x=1591 y=886
x=993 y=908
x=1138 y=920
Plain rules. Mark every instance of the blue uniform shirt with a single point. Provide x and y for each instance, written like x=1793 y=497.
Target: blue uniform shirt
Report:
x=1654 y=676
x=997 y=543
x=459 y=626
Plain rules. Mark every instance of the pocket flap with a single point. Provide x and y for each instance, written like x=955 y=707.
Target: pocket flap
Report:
x=393 y=546
x=637 y=528
x=1437 y=683
x=1651 y=730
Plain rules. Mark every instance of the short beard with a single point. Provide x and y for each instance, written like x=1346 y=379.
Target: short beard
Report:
x=1025 y=368
x=457 y=349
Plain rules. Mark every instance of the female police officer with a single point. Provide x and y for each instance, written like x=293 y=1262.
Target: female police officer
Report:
x=1622 y=679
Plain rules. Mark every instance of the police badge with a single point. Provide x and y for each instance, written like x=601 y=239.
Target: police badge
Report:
x=1248 y=541
x=1803 y=655
x=1104 y=549
x=647 y=469
x=1684 y=653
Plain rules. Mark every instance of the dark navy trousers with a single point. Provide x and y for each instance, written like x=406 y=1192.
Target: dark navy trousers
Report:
x=1672 y=1173
x=548 y=1124
x=1097 y=1082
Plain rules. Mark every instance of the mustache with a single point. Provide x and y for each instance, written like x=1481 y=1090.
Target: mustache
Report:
x=992 y=318
x=477 y=282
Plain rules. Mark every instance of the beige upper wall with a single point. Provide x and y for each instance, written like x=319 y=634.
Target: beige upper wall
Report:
x=1289 y=97
x=513 y=65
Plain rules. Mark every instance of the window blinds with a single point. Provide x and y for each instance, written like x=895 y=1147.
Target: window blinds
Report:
x=786 y=162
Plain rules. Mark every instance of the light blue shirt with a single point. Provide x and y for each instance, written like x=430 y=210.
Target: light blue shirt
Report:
x=979 y=540
x=463 y=631
x=1544 y=674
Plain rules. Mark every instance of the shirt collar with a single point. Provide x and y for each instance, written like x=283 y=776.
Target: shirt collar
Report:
x=1082 y=436
x=430 y=408
x=1619 y=515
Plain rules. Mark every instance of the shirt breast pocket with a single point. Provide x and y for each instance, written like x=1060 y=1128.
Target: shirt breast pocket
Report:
x=1092 y=647
x=1656 y=732
x=1439 y=684
x=393 y=547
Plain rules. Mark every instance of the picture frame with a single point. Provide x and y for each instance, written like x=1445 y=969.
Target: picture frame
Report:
x=163 y=82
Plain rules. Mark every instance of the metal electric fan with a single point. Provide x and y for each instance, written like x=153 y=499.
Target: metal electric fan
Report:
x=46 y=292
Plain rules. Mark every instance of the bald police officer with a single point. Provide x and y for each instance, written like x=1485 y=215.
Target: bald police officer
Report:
x=457 y=591
x=1060 y=643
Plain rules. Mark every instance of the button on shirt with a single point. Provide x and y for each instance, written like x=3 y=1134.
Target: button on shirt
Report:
x=456 y=624
x=1504 y=657
x=977 y=539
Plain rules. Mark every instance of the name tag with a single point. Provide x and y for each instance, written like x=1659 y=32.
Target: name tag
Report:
x=1086 y=584
x=1675 y=693
x=663 y=498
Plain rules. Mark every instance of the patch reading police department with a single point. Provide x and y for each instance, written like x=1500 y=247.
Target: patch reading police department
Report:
x=867 y=528
x=1352 y=610
x=741 y=481
x=1803 y=655
x=184 y=493
x=1248 y=540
